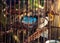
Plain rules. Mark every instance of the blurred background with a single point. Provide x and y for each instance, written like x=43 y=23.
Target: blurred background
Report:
x=29 y=21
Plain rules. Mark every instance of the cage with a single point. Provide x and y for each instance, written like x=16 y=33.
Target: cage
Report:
x=29 y=21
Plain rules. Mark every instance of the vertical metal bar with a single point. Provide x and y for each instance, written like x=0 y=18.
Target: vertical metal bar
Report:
x=28 y=19
x=38 y=19
x=28 y=30
x=6 y=21
x=23 y=36
x=23 y=16
x=1 y=26
x=19 y=6
x=58 y=31
x=44 y=15
x=14 y=14
x=10 y=22
x=18 y=33
x=49 y=25
x=33 y=8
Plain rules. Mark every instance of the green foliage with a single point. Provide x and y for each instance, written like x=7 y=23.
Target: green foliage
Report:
x=42 y=2
x=35 y=4
x=21 y=4
x=1 y=3
x=3 y=19
x=17 y=6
